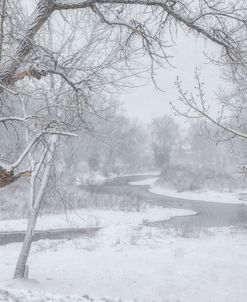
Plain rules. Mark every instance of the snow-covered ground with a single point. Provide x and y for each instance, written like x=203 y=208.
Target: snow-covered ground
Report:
x=98 y=178
x=128 y=260
x=140 y=263
x=96 y=218
x=36 y=296
x=206 y=195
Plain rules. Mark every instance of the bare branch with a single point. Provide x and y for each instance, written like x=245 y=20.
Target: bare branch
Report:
x=198 y=107
x=45 y=8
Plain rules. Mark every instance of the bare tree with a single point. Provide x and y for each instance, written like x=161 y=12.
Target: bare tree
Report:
x=48 y=90
x=164 y=138
x=61 y=109
x=142 y=29
x=36 y=199
x=223 y=24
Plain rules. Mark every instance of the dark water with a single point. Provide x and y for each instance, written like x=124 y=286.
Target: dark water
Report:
x=209 y=214
x=18 y=236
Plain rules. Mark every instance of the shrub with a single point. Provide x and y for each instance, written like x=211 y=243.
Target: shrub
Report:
x=188 y=177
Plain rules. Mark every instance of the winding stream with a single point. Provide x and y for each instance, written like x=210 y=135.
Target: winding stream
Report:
x=210 y=214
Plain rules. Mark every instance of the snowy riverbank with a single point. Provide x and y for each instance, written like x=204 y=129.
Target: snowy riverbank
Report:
x=84 y=218
x=129 y=261
x=205 y=195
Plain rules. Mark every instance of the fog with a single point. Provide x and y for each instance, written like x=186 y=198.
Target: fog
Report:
x=147 y=102
x=123 y=151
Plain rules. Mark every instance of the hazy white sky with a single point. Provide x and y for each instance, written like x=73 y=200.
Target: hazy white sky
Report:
x=145 y=103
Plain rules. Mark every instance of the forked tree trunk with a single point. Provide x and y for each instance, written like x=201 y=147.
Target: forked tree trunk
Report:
x=21 y=266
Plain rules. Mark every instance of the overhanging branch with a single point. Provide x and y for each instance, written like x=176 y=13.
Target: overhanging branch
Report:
x=45 y=8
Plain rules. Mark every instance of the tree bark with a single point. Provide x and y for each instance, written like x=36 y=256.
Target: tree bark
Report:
x=2 y=18
x=45 y=8
x=23 y=257
x=22 y=260
x=35 y=22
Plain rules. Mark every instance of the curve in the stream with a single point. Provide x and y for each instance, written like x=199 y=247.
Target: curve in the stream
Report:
x=210 y=214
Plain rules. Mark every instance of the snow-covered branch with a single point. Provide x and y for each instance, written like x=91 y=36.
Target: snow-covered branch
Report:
x=15 y=118
x=178 y=16
x=200 y=22
x=36 y=139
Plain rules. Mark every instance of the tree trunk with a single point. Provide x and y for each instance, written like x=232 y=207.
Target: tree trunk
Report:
x=2 y=18
x=22 y=260
x=20 y=270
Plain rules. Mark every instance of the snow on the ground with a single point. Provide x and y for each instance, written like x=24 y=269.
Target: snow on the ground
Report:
x=90 y=178
x=98 y=178
x=151 y=173
x=206 y=195
x=35 y=296
x=128 y=260
x=155 y=265
x=96 y=218
x=145 y=182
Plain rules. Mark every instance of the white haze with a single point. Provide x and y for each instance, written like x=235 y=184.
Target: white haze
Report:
x=190 y=53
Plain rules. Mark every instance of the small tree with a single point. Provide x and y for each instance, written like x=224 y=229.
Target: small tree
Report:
x=164 y=137
x=94 y=161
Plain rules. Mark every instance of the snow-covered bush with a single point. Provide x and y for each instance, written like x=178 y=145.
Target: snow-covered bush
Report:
x=188 y=228
x=188 y=177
